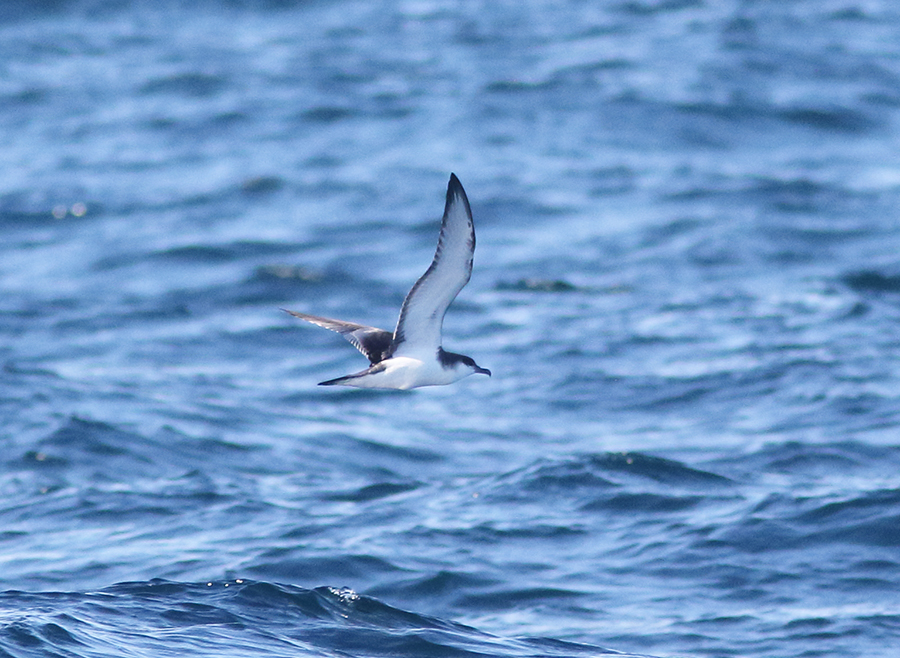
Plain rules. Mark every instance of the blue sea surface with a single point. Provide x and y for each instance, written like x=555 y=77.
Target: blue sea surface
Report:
x=687 y=286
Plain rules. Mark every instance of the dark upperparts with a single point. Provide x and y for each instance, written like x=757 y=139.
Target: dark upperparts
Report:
x=377 y=346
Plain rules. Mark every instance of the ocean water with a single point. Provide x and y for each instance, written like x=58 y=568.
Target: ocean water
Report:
x=687 y=286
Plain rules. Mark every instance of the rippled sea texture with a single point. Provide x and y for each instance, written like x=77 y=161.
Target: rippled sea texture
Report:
x=687 y=286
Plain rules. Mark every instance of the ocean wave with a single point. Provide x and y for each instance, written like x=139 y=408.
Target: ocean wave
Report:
x=237 y=617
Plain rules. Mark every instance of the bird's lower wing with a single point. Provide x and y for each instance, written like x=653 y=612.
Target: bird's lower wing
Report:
x=374 y=343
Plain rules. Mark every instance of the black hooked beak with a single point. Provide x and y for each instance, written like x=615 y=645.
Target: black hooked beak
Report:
x=482 y=371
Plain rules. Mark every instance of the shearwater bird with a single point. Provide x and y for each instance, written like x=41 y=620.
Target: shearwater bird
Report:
x=412 y=356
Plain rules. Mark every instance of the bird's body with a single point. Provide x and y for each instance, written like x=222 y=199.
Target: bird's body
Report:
x=412 y=356
x=403 y=373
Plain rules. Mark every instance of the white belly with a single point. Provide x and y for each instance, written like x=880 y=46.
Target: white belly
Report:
x=404 y=372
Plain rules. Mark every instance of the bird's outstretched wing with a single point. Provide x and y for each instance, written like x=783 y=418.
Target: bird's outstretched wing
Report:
x=372 y=342
x=422 y=314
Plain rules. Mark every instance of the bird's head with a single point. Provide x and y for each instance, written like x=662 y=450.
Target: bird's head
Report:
x=461 y=361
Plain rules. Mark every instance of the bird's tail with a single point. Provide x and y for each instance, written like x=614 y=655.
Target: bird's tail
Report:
x=336 y=381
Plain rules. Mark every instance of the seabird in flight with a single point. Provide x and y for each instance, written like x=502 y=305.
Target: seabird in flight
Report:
x=412 y=356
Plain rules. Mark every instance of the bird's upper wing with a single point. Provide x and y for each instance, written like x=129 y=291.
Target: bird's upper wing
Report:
x=422 y=314
x=373 y=343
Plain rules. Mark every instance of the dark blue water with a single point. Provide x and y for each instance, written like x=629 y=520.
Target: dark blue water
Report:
x=687 y=286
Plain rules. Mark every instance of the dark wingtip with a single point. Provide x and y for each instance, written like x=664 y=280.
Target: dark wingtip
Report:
x=455 y=191
x=454 y=186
